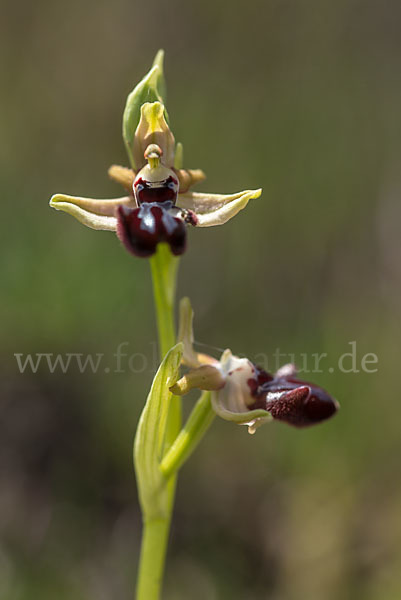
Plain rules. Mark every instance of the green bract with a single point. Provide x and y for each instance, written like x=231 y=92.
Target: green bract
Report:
x=150 y=437
x=152 y=88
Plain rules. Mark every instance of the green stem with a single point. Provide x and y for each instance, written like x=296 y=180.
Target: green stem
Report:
x=156 y=527
x=187 y=440
x=157 y=497
x=153 y=554
x=164 y=274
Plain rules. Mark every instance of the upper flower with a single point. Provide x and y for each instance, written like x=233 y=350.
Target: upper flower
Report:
x=158 y=205
x=246 y=394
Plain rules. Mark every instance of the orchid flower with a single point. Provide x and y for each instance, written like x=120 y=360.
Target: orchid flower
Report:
x=245 y=393
x=158 y=204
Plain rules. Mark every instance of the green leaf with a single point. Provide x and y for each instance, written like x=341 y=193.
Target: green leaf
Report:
x=151 y=88
x=150 y=437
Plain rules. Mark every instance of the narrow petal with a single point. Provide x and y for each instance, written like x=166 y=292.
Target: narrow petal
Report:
x=216 y=209
x=205 y=378
x=97 y=214
x=179 y=156
x=122 y=175
x=189 y=177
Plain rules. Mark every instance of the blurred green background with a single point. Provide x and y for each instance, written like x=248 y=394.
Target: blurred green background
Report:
x=300 y=98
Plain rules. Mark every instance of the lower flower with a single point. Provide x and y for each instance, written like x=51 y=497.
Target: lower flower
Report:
x=246 y=394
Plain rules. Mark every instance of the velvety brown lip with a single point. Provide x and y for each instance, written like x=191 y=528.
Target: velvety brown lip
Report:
x=291 y=400
x=141 y=229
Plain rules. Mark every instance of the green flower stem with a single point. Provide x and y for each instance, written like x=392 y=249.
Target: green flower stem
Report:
x=157 y=497
x=187 y=440
x=164 y=268
x=164 y=274
x=156 y=527
x=153 y=555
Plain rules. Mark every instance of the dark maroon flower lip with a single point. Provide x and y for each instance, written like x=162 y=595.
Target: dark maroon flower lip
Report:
x=142 y=229
x=286 y=398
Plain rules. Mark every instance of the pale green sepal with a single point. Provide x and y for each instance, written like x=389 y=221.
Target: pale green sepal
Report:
x=150 y=436
x=151 y=88
x=215 y=209
x=96 y=214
